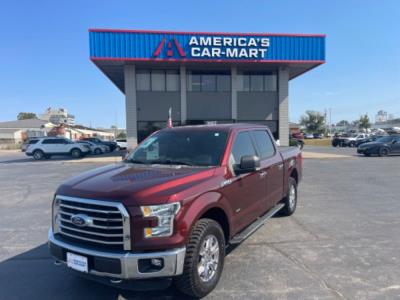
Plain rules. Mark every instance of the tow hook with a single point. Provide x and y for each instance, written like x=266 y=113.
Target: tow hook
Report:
x=57 y=262
x=115 y=281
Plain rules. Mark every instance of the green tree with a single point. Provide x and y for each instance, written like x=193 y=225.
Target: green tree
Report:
x=26 y=116
x=313 y=121
x=343 y=123
x=363 y=122
x=121 y=135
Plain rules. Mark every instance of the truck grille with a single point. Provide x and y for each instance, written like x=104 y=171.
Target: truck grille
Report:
x=92 y=222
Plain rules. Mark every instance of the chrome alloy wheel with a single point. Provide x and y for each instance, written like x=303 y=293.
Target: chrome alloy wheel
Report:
x=292 y=196
x=208 y=258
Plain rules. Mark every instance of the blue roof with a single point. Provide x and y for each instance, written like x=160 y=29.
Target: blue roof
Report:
x=139 y=45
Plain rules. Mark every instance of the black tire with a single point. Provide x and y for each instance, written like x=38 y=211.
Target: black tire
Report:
x=98 y=151
x=352 y=144
x=76 y=153
x=383 y=152
x=290 y=203
x=38 y=154
x=190 y=282
x=118 y=148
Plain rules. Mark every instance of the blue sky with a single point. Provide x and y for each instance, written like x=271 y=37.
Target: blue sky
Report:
x=44 y=49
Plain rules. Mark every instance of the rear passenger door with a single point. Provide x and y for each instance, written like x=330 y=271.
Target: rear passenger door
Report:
x=245 y=192
x=272 y=169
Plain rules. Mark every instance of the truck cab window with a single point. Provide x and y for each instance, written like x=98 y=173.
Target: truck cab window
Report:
x=264 y=143
x=241 y=147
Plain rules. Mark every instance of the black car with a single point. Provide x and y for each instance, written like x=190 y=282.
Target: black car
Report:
x=383 y=146
x=112 y=145
x=339 y=140
x=367 y=140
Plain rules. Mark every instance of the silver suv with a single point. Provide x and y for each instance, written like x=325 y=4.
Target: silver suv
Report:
x=46 y=147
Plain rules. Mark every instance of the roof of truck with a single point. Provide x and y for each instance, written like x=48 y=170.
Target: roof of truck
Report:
x=223 y=127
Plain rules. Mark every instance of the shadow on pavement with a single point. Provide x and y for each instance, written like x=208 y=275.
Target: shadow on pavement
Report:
x=33 y=275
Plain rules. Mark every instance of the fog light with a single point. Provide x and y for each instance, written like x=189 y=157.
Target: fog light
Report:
x=149 y=265
x=157 y=262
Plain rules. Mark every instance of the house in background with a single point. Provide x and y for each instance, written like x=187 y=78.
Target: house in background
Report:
x=14 y=132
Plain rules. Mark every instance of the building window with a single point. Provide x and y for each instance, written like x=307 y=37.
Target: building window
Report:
x=143 y=80
x=257 y=82
x=157 y=80
x=199 y=82
x=173 y=81
x=145 y=128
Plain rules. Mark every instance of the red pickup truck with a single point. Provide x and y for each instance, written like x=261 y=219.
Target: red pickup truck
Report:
x=171 y=208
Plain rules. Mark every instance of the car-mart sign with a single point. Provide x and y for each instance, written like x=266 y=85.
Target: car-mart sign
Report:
x=228 y=47
x=138 y=45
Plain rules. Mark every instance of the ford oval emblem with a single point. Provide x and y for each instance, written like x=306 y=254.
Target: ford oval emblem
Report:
x=81 y=220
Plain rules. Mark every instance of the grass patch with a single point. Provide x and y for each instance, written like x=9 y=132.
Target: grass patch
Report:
x=318 y=142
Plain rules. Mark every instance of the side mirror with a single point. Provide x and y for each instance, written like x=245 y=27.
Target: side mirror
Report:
x=248 y=164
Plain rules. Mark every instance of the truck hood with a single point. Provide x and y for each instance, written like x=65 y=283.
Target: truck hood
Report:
x=134 y=184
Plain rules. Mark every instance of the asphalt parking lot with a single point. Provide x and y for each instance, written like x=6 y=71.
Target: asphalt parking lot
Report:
x=342 y=243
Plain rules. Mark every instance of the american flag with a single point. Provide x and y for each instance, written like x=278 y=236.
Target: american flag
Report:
x=169 y=122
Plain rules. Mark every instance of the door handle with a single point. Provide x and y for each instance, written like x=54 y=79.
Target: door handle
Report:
x=263 y=174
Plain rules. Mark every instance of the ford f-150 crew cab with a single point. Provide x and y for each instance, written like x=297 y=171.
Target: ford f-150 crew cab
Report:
x=171 y=208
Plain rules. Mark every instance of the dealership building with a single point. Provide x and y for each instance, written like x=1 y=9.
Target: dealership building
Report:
x=204 y=77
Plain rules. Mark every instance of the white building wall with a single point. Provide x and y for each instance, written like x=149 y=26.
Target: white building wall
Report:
x=283 y=90
x=130 y=105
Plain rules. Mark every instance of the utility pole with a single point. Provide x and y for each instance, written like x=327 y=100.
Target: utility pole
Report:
x=330 y=121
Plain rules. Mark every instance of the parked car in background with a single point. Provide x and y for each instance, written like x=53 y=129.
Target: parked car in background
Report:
x=27 y=143
x=317 y=136
x=112 y=145
x=351 y=141
x=95 y=148
x=49 y=146
x=121 y=144
x=383 y=146
x=174 y=205
x=309 y=136
x=339 y=139
x=369 y=139
x=298 y=135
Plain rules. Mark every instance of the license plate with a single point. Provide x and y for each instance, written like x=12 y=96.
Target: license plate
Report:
x=77 y=262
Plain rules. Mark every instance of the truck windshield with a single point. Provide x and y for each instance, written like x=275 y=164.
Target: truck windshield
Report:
x=181 y=147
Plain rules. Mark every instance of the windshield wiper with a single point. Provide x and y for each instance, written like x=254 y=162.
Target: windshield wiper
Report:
x=136 y=161
x=171 y=162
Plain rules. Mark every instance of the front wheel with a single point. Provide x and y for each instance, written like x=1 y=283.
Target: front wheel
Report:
x=204 y=261
x=76 y=153
x=38 y=154
x=383 y=152
x=97 y=151
x=290 y=201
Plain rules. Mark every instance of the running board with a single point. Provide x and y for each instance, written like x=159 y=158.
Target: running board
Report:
x=249 y=230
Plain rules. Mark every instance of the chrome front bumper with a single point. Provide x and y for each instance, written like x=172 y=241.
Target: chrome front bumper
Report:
x=129 y=262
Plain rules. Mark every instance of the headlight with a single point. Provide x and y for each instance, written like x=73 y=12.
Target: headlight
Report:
x=55 y=215
x=165 y=215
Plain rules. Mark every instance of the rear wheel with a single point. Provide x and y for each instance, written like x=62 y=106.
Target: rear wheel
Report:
x=290 y=200
x=76 y=153
x=118 y=148
x=97 y=151
x=38 y=154
x=204 y=261
x=383 y=152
